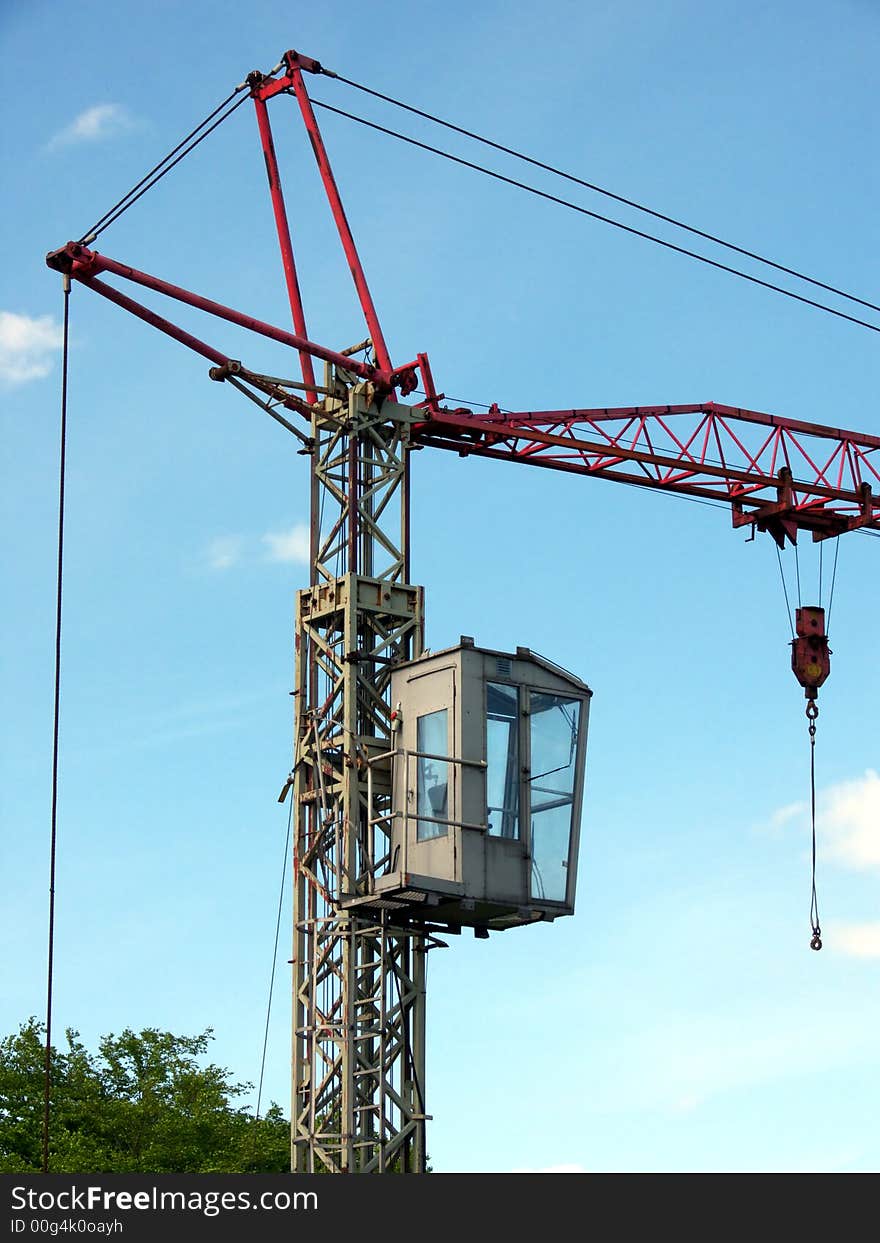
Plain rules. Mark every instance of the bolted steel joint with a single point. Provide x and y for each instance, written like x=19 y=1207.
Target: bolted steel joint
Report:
x=230 y=367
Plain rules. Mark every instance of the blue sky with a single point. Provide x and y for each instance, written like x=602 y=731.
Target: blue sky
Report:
x=679 y=1021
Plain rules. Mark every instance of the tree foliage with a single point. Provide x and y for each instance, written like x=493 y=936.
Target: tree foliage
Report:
x=144 y=1103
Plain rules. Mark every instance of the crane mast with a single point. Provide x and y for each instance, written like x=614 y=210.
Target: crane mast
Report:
x=359 y=962
x=359 y=983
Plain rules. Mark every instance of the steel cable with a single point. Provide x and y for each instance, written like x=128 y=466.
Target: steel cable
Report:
x=585 y=211
x=784 y=589
x=56 y=733
x=274 y=960
x=618 y=198
x=834 y=575
x=145 y=183
x=816 y=940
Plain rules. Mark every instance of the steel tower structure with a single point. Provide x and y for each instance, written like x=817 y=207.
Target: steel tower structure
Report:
x=358 y=1098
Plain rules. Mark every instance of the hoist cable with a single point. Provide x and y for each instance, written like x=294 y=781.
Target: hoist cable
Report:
x=584 y=211
x=274 y=959
x=53 y=834
x=797 y=570
x=784 y=588
x=834 y=580
x=816 y=941
x=154 y=176
x=618 y=198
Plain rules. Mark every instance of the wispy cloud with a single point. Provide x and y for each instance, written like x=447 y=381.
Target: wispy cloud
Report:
x=178 y=722
x=847 y=821
x=27 y=346
x=852 y=821
x=791 y=811
x=95 y=124
x=683 y=1061
x=858 y=940
x=290 y=545
x=225 y=551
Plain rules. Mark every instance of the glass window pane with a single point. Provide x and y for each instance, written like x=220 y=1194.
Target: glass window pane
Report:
x=502 y=759
x=553 y=730
x=432 y=775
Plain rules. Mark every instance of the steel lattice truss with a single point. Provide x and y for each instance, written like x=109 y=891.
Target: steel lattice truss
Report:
x=778 y=474
x=359 y=985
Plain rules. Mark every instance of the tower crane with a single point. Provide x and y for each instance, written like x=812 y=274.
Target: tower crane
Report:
x=366 y=912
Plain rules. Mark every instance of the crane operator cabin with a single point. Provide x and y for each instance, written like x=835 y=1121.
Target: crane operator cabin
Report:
x=485 y=774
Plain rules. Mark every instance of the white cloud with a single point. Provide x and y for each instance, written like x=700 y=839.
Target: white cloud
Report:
x=858 y=940
x=791 y=811
x=225 y=551
x=95 y=124
x=847 y=821
x=292 y=545
x=26 y=346
x=851 y=819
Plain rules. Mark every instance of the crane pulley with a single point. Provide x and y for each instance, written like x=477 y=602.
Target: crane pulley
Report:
x=810 y=653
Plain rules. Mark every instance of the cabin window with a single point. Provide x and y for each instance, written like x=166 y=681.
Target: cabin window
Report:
x=553 y=737
x=502 y=760
x=432 y=775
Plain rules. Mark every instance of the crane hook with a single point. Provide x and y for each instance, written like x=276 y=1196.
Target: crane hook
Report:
x=811 y=665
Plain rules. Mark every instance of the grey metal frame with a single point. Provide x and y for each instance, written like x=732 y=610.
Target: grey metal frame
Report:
x=580 y=764
x=359 y=981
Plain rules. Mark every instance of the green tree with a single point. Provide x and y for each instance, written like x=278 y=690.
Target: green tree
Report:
x=143 y=1103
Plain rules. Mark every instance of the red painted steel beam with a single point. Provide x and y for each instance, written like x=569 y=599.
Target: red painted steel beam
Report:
x=292 y=81
x=283 y=228
x=156 y=321
x=294 y=62
x=84 y=264
x=227 y=366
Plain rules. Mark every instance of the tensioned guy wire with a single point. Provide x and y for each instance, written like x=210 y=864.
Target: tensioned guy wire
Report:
x=53 y=835
x=784 y=589
x=618 y=198
x=816 y=940
x=154 y=176
x=834 y=575
x=593 y=215
x=274 y=960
